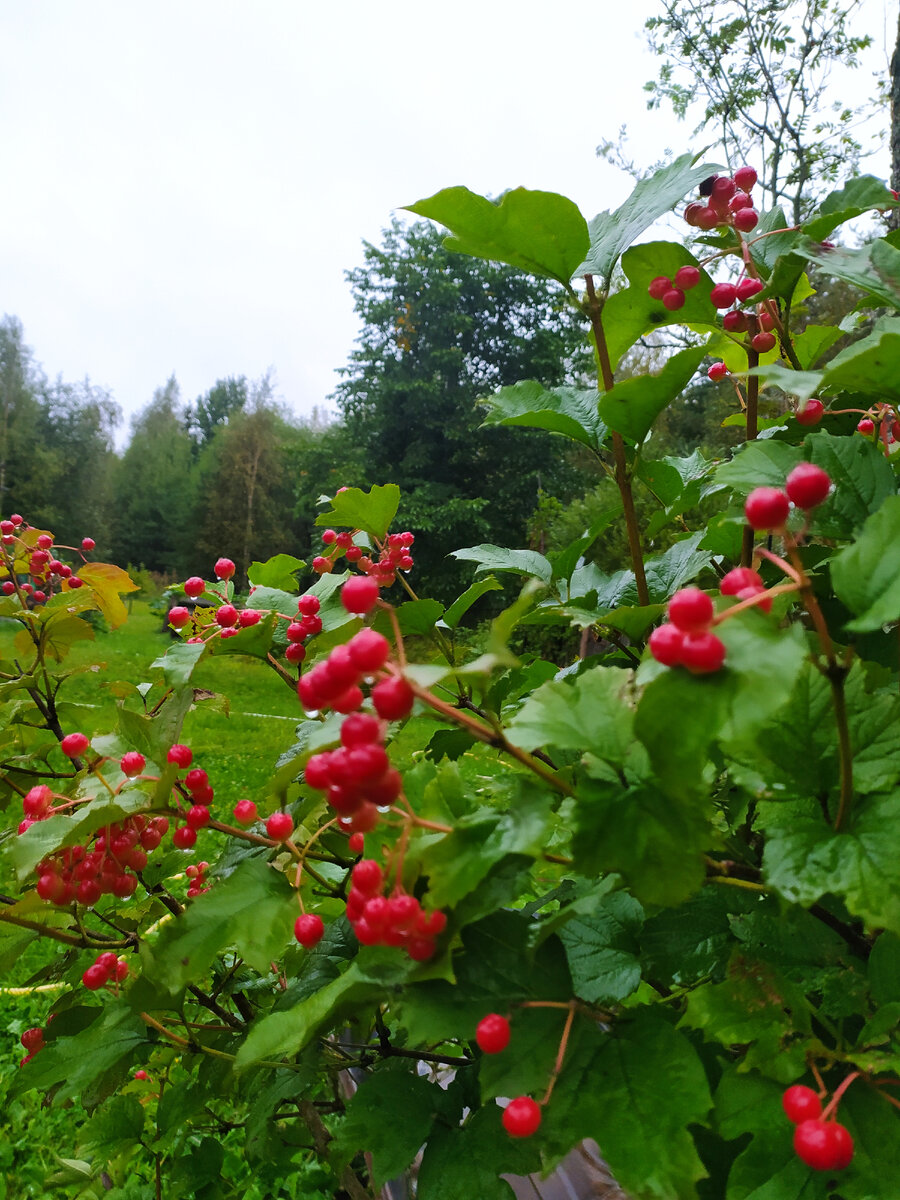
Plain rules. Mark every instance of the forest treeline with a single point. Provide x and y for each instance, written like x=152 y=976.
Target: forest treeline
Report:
x=234 y=472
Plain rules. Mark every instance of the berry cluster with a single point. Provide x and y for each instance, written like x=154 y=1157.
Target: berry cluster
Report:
x=357 y=778
x=395 y=920
x=744 y=583
x=394 y=555
x=768 y=508
x=106 y=968
x=671 y=291
x=756 y=324
x=196 y=873
x=82 y=875
x=725 y=200
x=33 y=1042
x=306 y=625
x=821 y=1144
x=686 y=640
x=47 y=573
x=522 y=1116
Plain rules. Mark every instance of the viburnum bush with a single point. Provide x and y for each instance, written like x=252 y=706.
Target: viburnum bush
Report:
x=488 y=908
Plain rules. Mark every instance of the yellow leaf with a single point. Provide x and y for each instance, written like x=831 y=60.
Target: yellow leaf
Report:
x=107 y=582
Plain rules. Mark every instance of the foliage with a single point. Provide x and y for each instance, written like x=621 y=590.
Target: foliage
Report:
x=679 y=886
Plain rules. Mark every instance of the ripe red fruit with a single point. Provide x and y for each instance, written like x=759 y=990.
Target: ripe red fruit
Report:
x=74 y=744
x=280 y=826
x=823 y=1145
x=308 y=930
x=224 y=568
x=88 y=544
x=359 y=594
x=739 y=579
x=248 y=617
x=45 y=541
x=369 y=650
x=707 y=218
x=740 y=200
x=735 y=322
x=132 y=763
x=865 y=426
x=75 y=582
x=226 y=616
x=329 y=537
x=245 y=812
x=811 y=413
x=658 y=287
x=294 y=652
x=766 y=508
x=8 y=587
x=196 y=779
x=367 y=877
x=393 y=698
x=665 y=645
x=356 y=843
x=184 y=837
x=182 y=756
x=717 y=371
x=748 y=288
x=673 y=299
x=95 y=977
x=492 y=1033
x=197 y=816
x=686 y=278
x=807 y=485
x=141 y=1075
x=194 y=586
x=801 y=1104
x=521 y=1117
x=36 y=801
x=746 y=219
x=723 y=295
x=691 y=610
x=32 y=1039
x=702 y=653
x=763 y=342
x=308 y=604
x=723 y=188
x=745 y=178
x=178 y=616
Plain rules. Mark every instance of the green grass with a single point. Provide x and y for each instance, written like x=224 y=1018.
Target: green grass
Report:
x=237 y=744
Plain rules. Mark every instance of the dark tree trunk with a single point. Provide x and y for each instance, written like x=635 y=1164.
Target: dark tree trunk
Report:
x=895 y=127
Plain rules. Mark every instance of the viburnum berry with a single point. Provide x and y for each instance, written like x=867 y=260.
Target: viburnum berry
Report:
x=807 y=485
x=702 y=653
x=95 y=977
x=367 y=877
x=74 y=744
x=226 y=615
x=184 y=837
x=196 y=779
x=686 y=278
x=811 y=412
x=665 y=645
x=37 y=801
x=801 y=1104
x=492 y=1033
x=178 y=616
x=823 y=1145
x=132 y=763
x=224 y=568
x=33 y=1039
x=248 y=617
x=745 y=178
x=393 y=698
x=739 y=200
x=356 y=843
x=141 y=1075
x=738 y=579
x=88 y=544
x=746 y=219
x=673 y=299
x=45 y=541
x=75 y=582
x=8 y=587
x=294 y=652
x=280 y=826
x=658 y=287
x=369 y=650
x=181 y=756
x=767 y=508
x=723 y=295
x=197 y=816
x=308 y=930
x=735 y=321
x=522 y=1117
x=329 y=537
x=748 y=288
x=359 y=594
x=717 y=371
x=321 y=565
x=865 y=426
x=245 y=812
x=762 y=343
x=691 y=610
x=194 y=586
x=308 y=604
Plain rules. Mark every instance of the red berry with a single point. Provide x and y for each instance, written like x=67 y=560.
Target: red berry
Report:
x=492 y=1034
x=420 y=949
x=308 y=930
x=740 y=200
x=33 y=1039
x=360 y=729
x=280 y=826
x=723 y=188
x=132 y=763
x=194 y=586
x=823 y=1145
x=735 y=322
x=367 y=877
x=226 y=616
x=748 y=288
x=356 y=843
x=74 y=744
x=745 y=178
x=686 y=278
x=245 y=812
x=746 y=219
x=196 y=779
x=359 y=594
x=95 y=977
x=36 y=801
x=45 y=541
x=692 y=212
x=321 y=566
x=369 y=650
x=707 y=218
x=691 y=610
x=801 y=1104
x=141 y=1075
x=763 y=342
x=308 y=604
x=184 y=837
x=329 y=537
x=393 y=698
x=702 y=653
x=811 y=413
x=348 y=701
x=673 y=299
x=8 y=587
x=88 y=544
x=248 y=617
x=521 y=1117
x=717 y=371
x=178 y=616
x=866 y=426
x=75 y=582
x=294 y=652
x=224 y=568
x=665 y=645
x=807 y=485
x=767 y=508
x=181 y=756
x=197 y=816
x=723 y=295
x=739 y=579
x=658 y=287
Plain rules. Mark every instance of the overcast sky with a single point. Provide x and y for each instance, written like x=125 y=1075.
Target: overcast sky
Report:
x=186 y=182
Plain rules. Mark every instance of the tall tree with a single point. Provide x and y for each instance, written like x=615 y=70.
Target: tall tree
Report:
x=214 y=408
x=440 y=330
x=759 y=70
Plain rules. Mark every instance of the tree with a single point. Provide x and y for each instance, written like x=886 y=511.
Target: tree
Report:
x=214 y=408
x=760 y=72
x=440 y=331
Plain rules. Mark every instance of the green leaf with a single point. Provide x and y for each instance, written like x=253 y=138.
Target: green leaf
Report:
x=565 y=561
x=539 y=232
x=461 y=605
x=858 y=195
x=465 y=1162
x=812 y=343
x=884 y=969
x=112 y=1128
x=280 y=571
x=611 y=233
x=801 y=384
x=631 y=407
x=592 y=714
x=412 y=1103
x=602 y=949
x=866 y=574
x=569 y=411
x=60 y=633
x=759 y=464
x=863 y=479
x=371 y=511
x=874 y=267
x=498 y=558
x=178 y=662
x=252 y=910
x=866 y=367
x=805 y=858
x=419 y=617
x=636 y=1094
